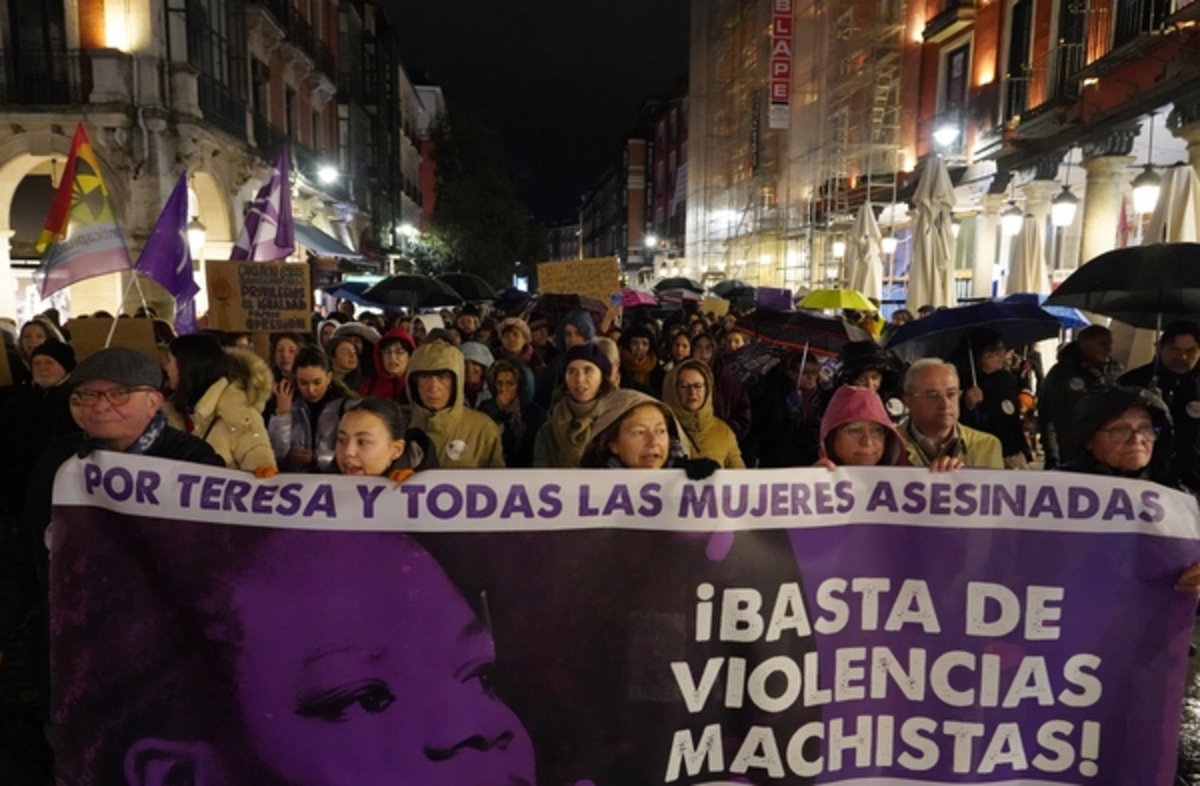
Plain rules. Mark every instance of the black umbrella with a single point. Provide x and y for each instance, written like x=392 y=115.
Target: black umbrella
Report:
x=472 y=287
x=511 y=301
x=1142 y=286
x=690 y=284
x=944 y=332
x=552 y=307
x=733 y=288
x=797 y=329
x=412 y=291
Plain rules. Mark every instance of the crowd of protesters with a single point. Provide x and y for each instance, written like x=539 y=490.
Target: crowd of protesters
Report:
x=392 y=394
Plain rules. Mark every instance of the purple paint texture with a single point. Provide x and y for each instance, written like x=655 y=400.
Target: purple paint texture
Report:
x=1117 y=604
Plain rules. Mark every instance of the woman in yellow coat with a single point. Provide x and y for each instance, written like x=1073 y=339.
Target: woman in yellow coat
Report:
x=687 y=390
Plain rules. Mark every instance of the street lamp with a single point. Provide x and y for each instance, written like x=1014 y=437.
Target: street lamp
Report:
x=197 y=235
x=651 y=241
x=1011 y=219
x=1063 y=207
x=327 y=174
x=945 y=134
x=1147 y=185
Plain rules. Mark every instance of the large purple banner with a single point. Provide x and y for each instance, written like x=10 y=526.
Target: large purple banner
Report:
x=616 y=627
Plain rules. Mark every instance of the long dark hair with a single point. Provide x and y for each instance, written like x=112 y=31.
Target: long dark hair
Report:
x=201 y=361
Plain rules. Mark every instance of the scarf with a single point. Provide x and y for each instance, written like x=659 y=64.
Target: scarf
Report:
x=571 y=424
x=385 y=386
x=524 y=357
x=158 y=424
x=638 y=370
x=514 y=424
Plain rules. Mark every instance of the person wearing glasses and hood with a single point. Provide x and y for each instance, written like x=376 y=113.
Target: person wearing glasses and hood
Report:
x=392 y=353
x=463 y=438
x=688 y=391
x=857 y=432
x=1124 y=431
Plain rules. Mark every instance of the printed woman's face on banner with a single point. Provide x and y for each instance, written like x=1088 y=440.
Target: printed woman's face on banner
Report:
x=394 y=677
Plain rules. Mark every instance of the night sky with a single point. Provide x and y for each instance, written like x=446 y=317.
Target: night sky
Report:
x=559 y=82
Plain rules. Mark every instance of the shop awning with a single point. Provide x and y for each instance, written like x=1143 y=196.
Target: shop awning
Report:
x=321 y=243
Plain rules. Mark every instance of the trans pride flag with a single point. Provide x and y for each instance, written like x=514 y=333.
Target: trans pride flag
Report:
x=81 y=238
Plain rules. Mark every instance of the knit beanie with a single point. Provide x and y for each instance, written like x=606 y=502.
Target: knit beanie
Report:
x=62 y=353
x=592 y=354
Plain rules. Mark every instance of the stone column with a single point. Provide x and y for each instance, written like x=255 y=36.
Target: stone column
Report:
x=8 y=283
x=1106 y=160
x=1102 y=204
x=1184 y=123
x=987 y=225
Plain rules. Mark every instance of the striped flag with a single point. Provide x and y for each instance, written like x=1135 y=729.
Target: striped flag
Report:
x=269 y=233
x=81 y=238
x=167 y=258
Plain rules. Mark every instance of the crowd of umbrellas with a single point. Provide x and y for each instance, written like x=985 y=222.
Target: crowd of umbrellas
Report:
x=1142 y=286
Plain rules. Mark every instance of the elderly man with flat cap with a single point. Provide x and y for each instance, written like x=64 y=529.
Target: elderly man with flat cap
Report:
x=115 y=400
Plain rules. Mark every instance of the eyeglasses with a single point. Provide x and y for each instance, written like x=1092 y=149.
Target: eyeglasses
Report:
x=860 y=430
x=1125 y=432
x=695 y=387
x=114 y=396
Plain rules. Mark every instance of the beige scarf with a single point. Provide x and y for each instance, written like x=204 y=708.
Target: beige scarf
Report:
x=571 y=423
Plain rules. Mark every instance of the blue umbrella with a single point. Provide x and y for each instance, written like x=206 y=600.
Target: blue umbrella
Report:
x=944 y=332
x=1070 y=318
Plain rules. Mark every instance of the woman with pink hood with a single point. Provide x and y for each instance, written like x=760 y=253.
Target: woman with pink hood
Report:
x=857 y=432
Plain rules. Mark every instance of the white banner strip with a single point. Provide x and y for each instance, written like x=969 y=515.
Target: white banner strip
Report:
x=513 y=500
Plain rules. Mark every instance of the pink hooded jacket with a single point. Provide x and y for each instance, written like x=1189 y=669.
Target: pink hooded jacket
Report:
x=850 y=404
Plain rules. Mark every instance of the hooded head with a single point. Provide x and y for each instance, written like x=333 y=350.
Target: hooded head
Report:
x=613 y=409
x=851 y=405
x=581 y=321
x=678 y=398
x=1111 y=403
x=435 y=381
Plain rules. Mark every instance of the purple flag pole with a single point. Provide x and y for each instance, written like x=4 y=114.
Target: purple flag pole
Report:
x=167 y=258
x=269 y=233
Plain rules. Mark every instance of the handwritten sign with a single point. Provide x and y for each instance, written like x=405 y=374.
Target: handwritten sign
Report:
x=594 y=278
x=259 y=296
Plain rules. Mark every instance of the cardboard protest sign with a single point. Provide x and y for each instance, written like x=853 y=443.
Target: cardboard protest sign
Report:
x=715 y=305
x=259 y=297
x=595 y=278
x=770 y=626
x=88 y=336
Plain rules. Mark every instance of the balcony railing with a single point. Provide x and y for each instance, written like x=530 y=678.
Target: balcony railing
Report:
x=301 y=33
x=1112 y=25
x=49 y=79
x=221 y=107
x=1047 y=81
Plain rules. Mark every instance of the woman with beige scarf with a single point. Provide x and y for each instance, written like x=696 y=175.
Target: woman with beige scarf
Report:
x=688 y=391
x=586 y=380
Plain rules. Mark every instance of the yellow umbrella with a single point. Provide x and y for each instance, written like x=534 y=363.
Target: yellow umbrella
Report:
x=837 y=299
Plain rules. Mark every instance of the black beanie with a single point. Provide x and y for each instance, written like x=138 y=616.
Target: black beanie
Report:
x=62 y=353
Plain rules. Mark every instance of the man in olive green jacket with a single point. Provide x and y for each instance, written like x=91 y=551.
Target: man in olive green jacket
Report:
x=462 y=436
x=932 y=433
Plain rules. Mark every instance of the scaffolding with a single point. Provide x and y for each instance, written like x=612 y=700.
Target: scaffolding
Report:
x=762 y=203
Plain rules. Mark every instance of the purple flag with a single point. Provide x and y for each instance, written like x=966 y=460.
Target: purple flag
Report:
x=167 y=257
x=268 y=233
